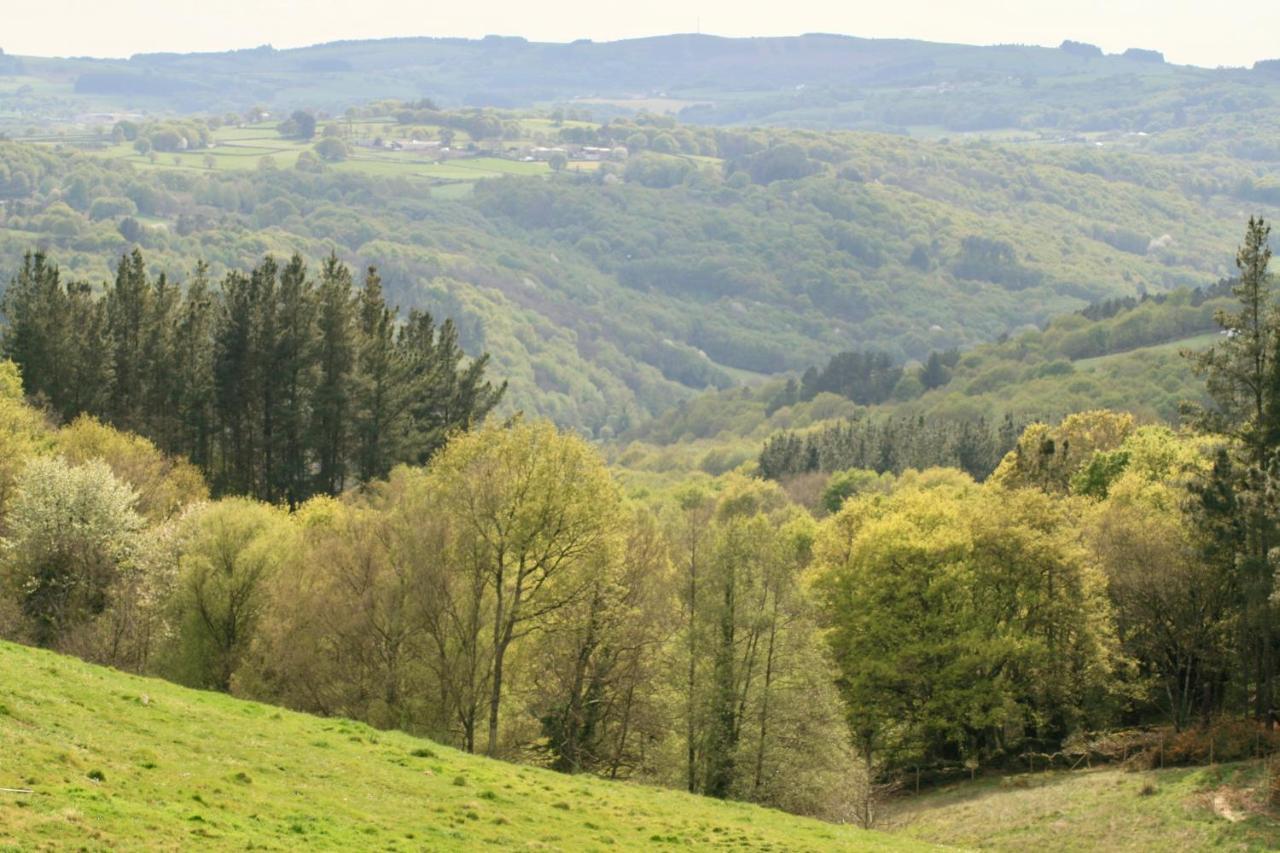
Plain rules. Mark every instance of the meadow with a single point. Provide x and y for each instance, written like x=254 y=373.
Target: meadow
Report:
x=1220 y=807
x=117 y=761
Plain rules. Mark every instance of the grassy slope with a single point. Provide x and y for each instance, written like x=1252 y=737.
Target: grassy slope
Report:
x=179 y=765
x=1189 y=809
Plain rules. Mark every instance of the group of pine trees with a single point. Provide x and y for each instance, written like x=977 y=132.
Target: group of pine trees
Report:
x=278 y=383
x=890 y=445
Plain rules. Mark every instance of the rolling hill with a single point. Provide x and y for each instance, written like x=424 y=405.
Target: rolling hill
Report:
x=812 y=80
x=97 y=758
x=607 y=296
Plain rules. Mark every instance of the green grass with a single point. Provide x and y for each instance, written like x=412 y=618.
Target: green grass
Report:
x=1108 y=809
x=242 y=148
x=114 y=760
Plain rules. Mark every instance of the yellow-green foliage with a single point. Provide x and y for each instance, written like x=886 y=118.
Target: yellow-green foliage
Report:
x=23 y=432
x=958 y=609
x=1047 y=457
x=164 y=484
x=115 y=760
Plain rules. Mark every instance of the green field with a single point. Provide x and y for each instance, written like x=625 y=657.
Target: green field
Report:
x=244 y=148
x=1181 y=809
x=118 y=761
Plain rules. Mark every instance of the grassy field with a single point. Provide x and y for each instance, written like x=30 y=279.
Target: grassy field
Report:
x=117 y=761
x=243 y=149
x=1184 y=809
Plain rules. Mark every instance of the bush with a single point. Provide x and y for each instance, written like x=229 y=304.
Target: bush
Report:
x=1222 y=741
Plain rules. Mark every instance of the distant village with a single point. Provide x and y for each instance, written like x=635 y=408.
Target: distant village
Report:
x=496 y=148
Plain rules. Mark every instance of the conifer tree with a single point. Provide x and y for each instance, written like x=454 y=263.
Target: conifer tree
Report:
x=380 y=393
x=330 y=423
x=129 y=311
x=1242 y=376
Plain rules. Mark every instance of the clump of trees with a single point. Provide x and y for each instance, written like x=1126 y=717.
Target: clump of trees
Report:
x=278 y=383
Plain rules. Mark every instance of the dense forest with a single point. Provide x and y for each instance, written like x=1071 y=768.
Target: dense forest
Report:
x=1107 y=583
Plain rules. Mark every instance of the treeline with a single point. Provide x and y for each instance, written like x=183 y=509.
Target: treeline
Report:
x=277 y=383
x=890 y=445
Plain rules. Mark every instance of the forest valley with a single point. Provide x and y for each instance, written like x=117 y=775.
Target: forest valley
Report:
x=276 y=487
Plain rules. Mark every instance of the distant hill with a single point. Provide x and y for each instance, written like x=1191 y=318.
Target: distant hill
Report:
x=814 y=80
x=96 y=758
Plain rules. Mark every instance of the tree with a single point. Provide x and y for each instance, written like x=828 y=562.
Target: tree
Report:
x=294 y=377
x=342 y=635
x=557 y=161
x=335 y=347
x=299 y=125
x=129 y=302
x=382 y=390
x=163 y=485
x=331 y=149
x=70 y=529
x=531 y=514
x=1242 y=377
x=934 y=374
x=601 y=662
x=964 y=621
x=228 y=552
x=445 y=394
x=1172 y=607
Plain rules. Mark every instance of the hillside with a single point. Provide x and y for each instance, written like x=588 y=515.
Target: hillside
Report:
x=1121 y=355
x=608 y=295
x=112 y=759
x=1220 y=807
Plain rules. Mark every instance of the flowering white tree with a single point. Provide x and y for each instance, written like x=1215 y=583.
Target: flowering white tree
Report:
x=70 y=530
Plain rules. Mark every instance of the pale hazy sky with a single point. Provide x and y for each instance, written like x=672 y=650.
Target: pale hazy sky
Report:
x=1188 y=31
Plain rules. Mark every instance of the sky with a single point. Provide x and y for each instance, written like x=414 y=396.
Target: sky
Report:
x=1187 y=31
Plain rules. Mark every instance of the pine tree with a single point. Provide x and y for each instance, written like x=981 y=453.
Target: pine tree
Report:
x=194 y=394
x=234 y=397
x=446 y=396
x=1242 y=376
x=159 y=419
x=294 y=371
x=331 y=413
x=128 y=314
x=35 y=309
x=380 y=394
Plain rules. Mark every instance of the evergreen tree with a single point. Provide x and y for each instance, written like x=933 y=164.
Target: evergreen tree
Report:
x=194 y=394
x=295 y=377
x=934 y=374
x=129 y=312
x=380 y=391
x=1242 y=377
x=233 y=378
x=445 y=395
x=331 y=413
